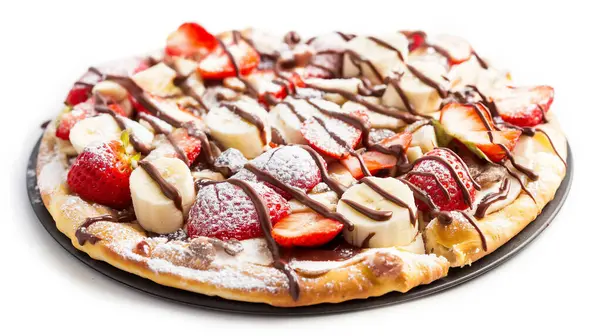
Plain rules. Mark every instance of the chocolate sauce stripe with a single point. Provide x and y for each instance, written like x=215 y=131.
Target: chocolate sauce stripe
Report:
x=389 y=111
x=492 y=198
x=377 y=215
x=169 y=190
x=249 y=117
x=83 y=236
x=389 y=197
x=266 y=226
x=337 y=187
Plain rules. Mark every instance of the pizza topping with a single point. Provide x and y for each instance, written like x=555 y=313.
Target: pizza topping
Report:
x=225 y=211
x=445 y=179
x=524 y=106
x=101 y=174
x=305 y=229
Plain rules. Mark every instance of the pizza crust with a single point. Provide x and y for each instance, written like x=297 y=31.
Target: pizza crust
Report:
x=373 y=272
x=461 y=244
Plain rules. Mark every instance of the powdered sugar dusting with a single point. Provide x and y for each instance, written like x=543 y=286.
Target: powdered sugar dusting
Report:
x=52 y=175
x=289 y=164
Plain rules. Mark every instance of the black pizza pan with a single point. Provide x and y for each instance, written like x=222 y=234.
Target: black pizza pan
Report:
x=455 y=276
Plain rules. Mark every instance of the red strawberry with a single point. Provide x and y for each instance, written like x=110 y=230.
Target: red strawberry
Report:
x=224 y=211
x=190 y=145
x=419 y=176
x=291 y=165
x=268 y=84
x=469 y=124
x=218 y=65
x=78 y=94
x=82 y=89
x=69 y=119
x=317 y=134
x=101 y=174
x=305 y=229
x=416 y=38
x=525 y=106
x=190 y=40
x=375 y=161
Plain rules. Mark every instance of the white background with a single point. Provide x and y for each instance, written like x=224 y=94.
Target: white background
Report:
x=550 y=287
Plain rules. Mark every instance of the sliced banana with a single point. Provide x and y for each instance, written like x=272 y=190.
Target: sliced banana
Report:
x=101 y=128
x=339 y=173
x=395 y=231
x=423 y=98
x=111 y=90
x=104 y=128
x=465 y=73
x=414 y=153
x=327 y=198
x=288 y=121
x=345 y=84
x=383 y=59
x=233 y=131
x=154 y=211
x=513 y=191
x=377 y=120
x=157 y=80
x=425 y=138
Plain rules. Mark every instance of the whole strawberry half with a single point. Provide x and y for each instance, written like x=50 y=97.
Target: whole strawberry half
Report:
x=445 y=192
x=225 y=211
x=291 y=165
x=524 y=106
x=101 y=174
x=472 y=125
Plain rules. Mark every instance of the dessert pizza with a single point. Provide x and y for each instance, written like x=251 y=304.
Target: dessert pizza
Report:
x=295 y=171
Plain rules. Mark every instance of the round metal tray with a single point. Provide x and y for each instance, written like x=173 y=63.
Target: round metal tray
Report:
x=455 y=276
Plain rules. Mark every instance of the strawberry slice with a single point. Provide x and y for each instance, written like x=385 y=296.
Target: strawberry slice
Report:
x=473 y=126
x=101 y=174
x=69 y=119
x=455 y=48
x=524 y=106
x=188 y=145
x=266 y=83
x=331 y=137
x=218 y=64
x=190 y=40
x=305 y=229
x=376 y=161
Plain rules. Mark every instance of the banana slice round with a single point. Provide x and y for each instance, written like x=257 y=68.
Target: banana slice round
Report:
x=395 y=230
x=154 y=211
x=95 y=129
x=104 y=128
x=233 y=131
x=385 y=60
x=377 y=120
x=423 y=98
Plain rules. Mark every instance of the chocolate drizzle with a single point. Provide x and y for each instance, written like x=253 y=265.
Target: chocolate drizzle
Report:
x=83 y=236
x=138 y=145
x=249 y=117
x=388 y=196
x=334 y=185
x=492 y=198
x=167 y=188
x=377 y=215
x=389 y=111
x=266 y=226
